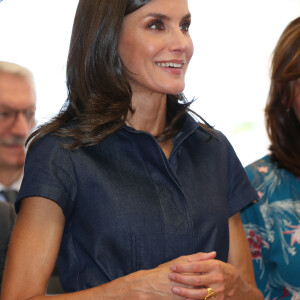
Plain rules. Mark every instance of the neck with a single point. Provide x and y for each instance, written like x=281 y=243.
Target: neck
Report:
x=149 y=113
x=10 y=175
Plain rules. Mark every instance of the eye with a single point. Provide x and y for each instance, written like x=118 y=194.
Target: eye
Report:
x=156 y=25
x=185 y=26
x=6 y=114
x=29 y=115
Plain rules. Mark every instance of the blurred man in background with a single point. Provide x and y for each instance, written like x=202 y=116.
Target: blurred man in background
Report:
x=17 y=118
x=17 y=111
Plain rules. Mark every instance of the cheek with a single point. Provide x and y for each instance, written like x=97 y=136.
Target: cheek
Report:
x=149 y=50
x=125 y=48
x=137 y=54
x=124 y=54
x=3 y=134
x=143 y=49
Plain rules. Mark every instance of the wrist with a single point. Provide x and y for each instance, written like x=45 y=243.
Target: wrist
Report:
x=243 y=288
x=122 y=288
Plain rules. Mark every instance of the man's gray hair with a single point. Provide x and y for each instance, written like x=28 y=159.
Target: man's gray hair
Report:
x=15 y=69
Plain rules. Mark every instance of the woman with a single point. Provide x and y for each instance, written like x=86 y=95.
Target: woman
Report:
x=139 y=200
x=272 y=223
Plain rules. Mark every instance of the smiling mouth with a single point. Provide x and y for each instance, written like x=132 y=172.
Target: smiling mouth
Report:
x=170 y=65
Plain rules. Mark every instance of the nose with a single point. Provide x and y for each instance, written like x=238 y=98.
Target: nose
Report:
x=179 y=41
x=21 y=127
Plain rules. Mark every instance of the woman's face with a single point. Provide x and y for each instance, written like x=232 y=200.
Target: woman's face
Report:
x=156 y=47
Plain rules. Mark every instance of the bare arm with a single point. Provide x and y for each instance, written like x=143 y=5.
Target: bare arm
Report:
x=33 y=248
x=240 y=258
x=233 y=280
x=33 y=252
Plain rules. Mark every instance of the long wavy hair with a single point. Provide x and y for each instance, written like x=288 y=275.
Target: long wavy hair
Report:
x=99 y=95
x=282 y=124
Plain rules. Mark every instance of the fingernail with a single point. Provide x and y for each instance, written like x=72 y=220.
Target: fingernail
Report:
x=175 y=290
x=173 y=268
x=171 y=276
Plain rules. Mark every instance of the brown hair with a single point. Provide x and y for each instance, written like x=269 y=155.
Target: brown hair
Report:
x=99 y=95
x=282 y=124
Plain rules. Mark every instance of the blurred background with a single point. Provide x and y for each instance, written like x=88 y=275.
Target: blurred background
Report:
x=228 y=75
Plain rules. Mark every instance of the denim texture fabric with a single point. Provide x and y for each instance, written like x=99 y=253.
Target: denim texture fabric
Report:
x=128 y=207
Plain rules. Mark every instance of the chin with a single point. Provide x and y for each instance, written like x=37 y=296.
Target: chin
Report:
x=16 y=162
x=172 y=90
x=175 y=89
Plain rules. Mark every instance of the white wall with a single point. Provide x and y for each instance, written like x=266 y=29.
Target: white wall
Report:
x=36 y=34
x=228 y=74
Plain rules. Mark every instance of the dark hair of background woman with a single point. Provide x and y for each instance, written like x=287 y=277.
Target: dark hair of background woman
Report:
x=99 y=95
x=282 y=124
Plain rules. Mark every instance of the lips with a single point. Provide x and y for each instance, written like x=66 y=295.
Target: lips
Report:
x=171 y=64
x=13 y=141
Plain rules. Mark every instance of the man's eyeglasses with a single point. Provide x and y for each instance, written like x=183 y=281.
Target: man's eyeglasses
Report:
x=9 y=116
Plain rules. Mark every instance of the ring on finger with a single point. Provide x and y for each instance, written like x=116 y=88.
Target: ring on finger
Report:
x=210 y=294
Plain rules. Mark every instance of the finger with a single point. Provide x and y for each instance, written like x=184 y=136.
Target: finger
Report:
x=201 y=256
x=193 y=279
x=190 y=293
x=194 y=258
x=195 y=267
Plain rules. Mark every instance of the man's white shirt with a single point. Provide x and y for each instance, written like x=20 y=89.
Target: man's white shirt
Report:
x=15 y=186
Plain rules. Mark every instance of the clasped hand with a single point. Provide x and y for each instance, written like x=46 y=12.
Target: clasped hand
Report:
x=188 y=277
x=201 y=272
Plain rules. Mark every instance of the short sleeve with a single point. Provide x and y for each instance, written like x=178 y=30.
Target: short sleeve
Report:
x=49 y=173
x=241 y=192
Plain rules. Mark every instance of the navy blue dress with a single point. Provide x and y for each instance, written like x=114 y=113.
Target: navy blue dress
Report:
x=128 y=207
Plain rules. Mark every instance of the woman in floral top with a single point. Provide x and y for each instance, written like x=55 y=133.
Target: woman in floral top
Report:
x=272 y=224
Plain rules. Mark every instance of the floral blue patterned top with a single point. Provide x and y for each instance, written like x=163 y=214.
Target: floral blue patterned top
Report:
x=272 y=225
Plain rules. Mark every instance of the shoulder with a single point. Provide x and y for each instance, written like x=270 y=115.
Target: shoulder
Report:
x=210 y=134
x=49 y=159
x=263 y=163
x=49 y=141
x=259 y=169
x=50 y=147
x=217 y=144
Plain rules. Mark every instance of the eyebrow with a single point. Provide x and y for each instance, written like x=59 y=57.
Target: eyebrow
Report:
x=4 y=106
x=164 y=17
